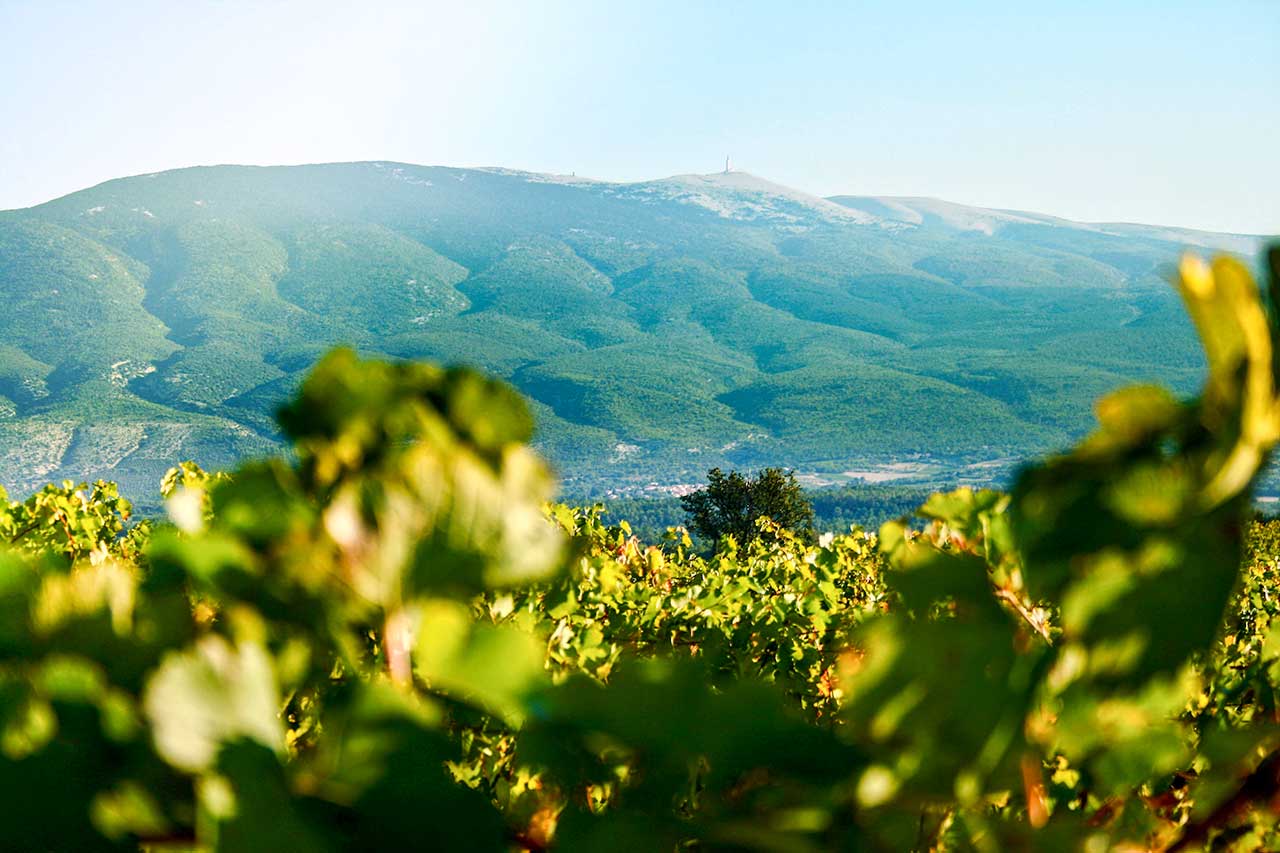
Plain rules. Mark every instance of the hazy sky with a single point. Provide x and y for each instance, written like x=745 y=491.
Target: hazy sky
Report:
x=1163 y=111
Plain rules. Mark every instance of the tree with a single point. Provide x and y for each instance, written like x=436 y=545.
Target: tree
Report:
x=731 y=504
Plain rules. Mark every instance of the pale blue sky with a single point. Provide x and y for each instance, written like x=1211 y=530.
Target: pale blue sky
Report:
x=1165 y=112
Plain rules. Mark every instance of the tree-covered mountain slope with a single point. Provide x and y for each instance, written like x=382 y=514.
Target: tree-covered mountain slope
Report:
x=658 y=328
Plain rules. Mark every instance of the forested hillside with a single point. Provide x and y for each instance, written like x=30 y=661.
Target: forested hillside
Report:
x=658 y=328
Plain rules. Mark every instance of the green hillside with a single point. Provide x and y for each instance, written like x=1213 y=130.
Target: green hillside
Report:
x=659 y=328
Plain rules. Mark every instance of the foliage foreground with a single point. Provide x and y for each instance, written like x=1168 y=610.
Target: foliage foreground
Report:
x=390 y=641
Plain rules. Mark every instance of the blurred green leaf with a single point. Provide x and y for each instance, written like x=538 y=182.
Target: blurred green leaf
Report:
x=208 y=696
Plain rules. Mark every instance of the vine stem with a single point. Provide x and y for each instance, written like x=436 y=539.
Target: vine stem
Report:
x=397 y=638
x=1011 y=599
x=1262 y=785
x=24 y=531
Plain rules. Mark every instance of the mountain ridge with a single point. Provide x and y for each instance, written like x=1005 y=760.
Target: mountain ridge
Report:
x=585 y=180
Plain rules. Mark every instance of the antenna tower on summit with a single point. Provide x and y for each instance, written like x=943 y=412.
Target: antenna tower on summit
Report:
x=727 y=168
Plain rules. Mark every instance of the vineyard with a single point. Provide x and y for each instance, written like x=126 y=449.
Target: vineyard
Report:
x=391 y=639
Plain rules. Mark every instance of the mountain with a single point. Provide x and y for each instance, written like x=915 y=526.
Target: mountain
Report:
x=658 y=328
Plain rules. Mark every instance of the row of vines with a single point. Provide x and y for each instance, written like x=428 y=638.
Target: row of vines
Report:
x=391 y=640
